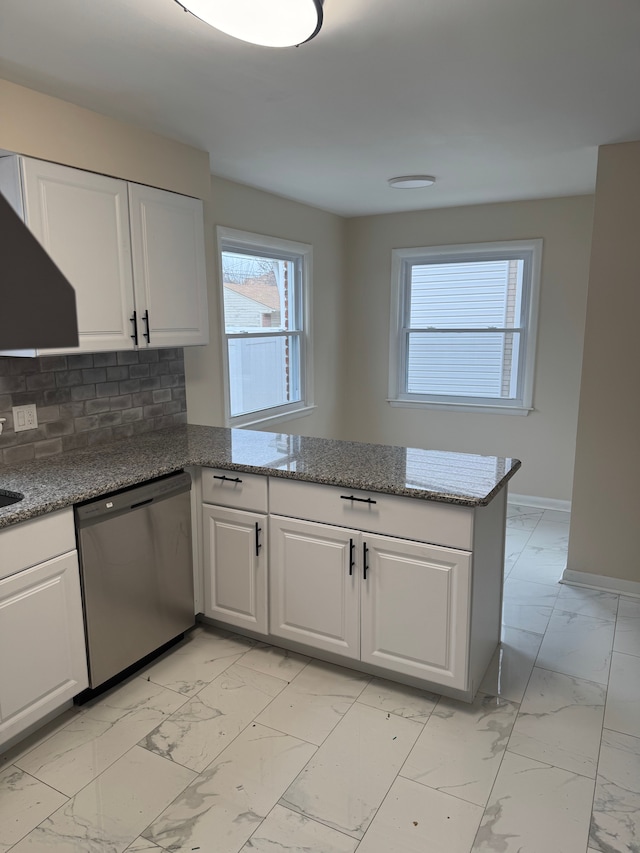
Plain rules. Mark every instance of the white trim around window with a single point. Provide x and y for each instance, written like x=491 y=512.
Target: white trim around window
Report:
x=292 y=330
x=429 y=332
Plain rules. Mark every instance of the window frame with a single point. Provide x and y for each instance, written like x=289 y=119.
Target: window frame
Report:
x=231 y=239
x=402 y=259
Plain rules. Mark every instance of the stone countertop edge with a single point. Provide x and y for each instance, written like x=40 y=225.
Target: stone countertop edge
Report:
x=56 y=482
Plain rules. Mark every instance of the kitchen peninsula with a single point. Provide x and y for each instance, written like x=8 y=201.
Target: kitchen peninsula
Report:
x=386 y=559
x=462 y=479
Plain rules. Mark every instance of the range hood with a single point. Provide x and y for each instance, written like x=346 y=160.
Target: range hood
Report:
x=37 y=303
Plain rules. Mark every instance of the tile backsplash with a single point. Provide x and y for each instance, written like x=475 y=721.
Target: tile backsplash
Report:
x=89 y=399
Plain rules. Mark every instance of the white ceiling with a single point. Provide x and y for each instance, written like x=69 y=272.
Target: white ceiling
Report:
x=499 y=99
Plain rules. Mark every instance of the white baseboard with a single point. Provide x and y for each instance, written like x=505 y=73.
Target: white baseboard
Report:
x=601 y=582
x=539 y=503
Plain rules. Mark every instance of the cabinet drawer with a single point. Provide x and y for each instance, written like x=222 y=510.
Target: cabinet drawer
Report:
x=235 y=489
x=30 y=542
x=406 y=518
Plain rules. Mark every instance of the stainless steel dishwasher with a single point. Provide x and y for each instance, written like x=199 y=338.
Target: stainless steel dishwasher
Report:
x=136 y=571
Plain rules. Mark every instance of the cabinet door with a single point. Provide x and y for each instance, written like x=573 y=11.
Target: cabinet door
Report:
x=42 y=650
x=415 y=609
x=314 y=586
x=82 y=220
x=235 y=560
x=167 y=234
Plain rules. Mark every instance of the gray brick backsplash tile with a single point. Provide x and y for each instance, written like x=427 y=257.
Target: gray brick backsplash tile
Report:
x=22 y=398
x=77 y=441
x=137 y=371
x=127 y=357
x=59 y=428
x=104 y=359
x=66 y=378
x=109 y=419
x=129 y=386
x=123 y=431
x=48 y=413
x=172 y=408
x=107 y=389
x=94 y=407
x=118 y=373
x=169 y=354
x=129 y=415
x=80 y=361
x=23 y=453
x=23 y=366
x=83 y=392
x=86 y=399
x=153 y=411
x=47 y=448
x=170 y=381
x=163 y=421
x=74 y=410
x=40 y=381
x=121 y=402
x=30 y=436
x=60 y=395
x=100 y=436
x=86 y=423
x=11 y=384
x=53 y=363
x=94 y=374
x=151 y=383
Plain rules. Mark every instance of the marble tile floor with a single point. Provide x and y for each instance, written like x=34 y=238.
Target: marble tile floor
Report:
x=226 y=745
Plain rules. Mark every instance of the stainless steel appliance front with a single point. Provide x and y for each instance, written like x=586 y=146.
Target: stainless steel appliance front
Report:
x=137 y=573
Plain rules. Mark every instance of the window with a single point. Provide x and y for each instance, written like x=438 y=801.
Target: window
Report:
x=266 y=294
x=463 y=326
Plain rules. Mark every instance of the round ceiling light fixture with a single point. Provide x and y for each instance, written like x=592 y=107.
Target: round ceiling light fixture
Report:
x=271 y=23
x=411 y=182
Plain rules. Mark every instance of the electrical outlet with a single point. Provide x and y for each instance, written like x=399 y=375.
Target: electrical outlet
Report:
x=25 y=417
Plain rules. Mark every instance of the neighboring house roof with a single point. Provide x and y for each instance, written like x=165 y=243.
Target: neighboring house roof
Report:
x=259 y=289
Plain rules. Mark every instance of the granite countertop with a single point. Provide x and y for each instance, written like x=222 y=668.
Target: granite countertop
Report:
x=59 y=481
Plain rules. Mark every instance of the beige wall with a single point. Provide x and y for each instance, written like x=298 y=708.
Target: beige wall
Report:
x=238 y=206
x=545 y=439
x=606 y=496
x=40 y=126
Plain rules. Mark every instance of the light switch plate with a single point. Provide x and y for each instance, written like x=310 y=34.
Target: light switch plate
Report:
x=25 y=417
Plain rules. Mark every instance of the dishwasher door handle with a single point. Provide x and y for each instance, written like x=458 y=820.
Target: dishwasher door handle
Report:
x=141 y=503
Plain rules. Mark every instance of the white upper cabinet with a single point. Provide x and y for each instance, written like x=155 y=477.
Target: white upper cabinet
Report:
x=82 y=220
x=167 y=237
x=134 y=254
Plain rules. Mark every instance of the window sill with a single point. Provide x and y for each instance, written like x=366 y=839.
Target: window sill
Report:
x=302 y=412
x=477 y=408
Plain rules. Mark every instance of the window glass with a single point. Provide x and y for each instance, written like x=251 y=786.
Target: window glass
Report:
x=264 y=283
x=463 y=329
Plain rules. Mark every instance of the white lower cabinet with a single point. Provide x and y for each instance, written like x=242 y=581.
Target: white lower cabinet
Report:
x=314 y=585
x=235 y=544
x=414 y=605
x=350 y=576
x=42 y=648
x=399 y=605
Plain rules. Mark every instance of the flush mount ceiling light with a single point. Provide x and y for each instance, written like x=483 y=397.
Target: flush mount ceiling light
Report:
x=272 y=23
x=411 y=182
